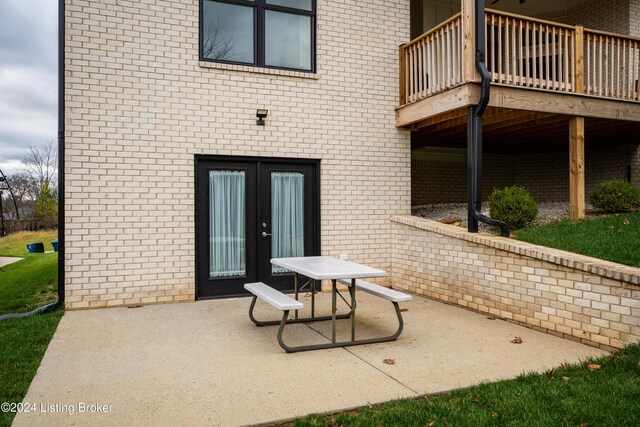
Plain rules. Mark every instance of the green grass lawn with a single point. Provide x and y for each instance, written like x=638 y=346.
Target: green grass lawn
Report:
x=25 y=285
x=614 y=238
x=32 y=282
x=24 y=342
x=567 y=396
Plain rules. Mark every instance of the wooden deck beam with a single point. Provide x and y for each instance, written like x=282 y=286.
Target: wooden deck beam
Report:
x=469 y=72
x=452 y=102
x=452 y=99
x=562 y=103
x=576 y=168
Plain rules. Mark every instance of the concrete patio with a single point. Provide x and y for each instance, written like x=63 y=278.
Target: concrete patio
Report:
x=205 y=363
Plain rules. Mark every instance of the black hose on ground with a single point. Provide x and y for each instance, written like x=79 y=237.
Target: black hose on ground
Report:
x=44 y=309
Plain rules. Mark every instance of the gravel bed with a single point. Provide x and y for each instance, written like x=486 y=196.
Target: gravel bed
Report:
x=547 y=212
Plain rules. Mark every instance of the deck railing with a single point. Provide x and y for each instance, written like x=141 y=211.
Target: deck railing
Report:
x=525 y=52
x=432 y=62
x=611 y=65
x=528 y=52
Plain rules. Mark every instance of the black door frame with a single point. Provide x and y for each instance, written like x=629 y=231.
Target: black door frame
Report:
x=200 y=207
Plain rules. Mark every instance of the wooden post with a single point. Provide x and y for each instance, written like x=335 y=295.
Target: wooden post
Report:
x=403 y=74
x=579 y=52
x=469 y=72
x=576 y=168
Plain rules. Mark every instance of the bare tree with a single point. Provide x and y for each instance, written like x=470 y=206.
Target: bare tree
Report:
x=41 y=164
x=214 y=46
x=7 y=195
x=24 y=187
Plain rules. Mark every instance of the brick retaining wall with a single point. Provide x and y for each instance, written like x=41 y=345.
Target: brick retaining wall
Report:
x=577 y=297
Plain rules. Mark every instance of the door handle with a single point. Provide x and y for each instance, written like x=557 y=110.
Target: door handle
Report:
x=265 y=234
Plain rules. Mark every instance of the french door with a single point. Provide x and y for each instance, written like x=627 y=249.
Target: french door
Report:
x=249 y=210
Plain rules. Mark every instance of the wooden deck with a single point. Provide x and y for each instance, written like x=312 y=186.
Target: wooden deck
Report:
x=535 y=65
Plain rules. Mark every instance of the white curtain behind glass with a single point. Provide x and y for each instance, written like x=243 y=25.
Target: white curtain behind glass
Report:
x=287 y=40
x=227 y=223
x=287 y=216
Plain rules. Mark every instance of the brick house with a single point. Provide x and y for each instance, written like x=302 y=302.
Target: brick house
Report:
x=204 y=137
x=148 y=114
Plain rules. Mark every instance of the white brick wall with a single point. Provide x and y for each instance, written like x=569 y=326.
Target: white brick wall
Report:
x=139 y=106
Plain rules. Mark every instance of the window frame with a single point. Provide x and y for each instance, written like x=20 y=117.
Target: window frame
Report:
x=259 y=36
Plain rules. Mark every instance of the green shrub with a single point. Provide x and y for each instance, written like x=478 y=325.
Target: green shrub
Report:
x=616 y=196
x=513 y=205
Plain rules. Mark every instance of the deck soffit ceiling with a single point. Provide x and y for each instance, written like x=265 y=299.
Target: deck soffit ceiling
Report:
x=514 y=131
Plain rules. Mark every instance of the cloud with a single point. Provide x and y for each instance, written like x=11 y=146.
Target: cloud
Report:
x=28 y=77
x=11 y=167
x=28 y=33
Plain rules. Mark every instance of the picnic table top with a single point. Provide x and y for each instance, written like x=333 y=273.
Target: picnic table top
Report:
x=325 y=267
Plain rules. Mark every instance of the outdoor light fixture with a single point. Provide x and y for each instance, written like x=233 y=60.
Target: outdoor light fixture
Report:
x=261 y=114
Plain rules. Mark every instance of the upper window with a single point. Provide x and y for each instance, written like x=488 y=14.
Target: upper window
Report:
x=264 y=33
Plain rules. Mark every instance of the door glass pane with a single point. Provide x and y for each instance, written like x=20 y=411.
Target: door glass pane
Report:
x=227 y=32
x=227 y=223
x=287 y=216
x=296 y=4
x=287 y=40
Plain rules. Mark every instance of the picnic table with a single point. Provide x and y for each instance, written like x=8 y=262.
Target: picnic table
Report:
x=324 y=268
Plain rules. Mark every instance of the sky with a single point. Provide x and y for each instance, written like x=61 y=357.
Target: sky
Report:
x=28 y=78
